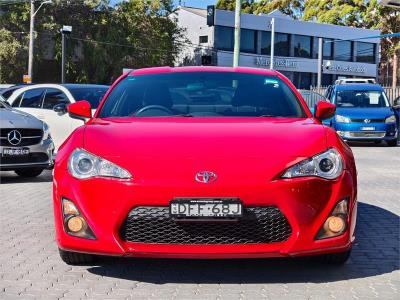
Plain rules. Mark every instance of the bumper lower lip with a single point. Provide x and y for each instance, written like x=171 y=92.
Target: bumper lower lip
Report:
x=306 y=203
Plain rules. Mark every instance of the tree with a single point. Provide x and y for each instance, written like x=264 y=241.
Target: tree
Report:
x=293 y=8
x=247 y=5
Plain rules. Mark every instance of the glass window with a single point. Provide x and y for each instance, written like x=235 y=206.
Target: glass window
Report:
x=54 y=97
x=203 y=39
x=365 y=52
x=266 y=42
x=200 y=94
x=92 y=94
x=224 y=38
x=302 y=80
x=354 y=98
x=32 y=98
x=343 y=50
x=327 y=47
x=248 y=40
x=302 y=45
x=17 y=101
x=282 y=44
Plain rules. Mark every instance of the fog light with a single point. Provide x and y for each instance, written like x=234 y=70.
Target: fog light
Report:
x=335 y=224
x=75 y=224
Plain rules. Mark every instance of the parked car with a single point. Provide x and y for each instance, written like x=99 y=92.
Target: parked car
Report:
x=26 y=146
x=396 y=107
x=363 y=113
x=49 y=102
x=311 y=98
x=204 y=162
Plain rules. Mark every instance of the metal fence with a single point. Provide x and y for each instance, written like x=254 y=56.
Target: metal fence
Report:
x=391 y=92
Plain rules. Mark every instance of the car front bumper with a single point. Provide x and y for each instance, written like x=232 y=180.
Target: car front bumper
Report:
x=367 y=132
x=41 y=156
x=105 y=204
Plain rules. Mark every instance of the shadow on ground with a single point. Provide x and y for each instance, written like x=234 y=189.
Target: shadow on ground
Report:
x=9 y=177
x=375 y=252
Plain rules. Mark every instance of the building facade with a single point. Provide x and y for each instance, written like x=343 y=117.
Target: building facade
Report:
x=295 y=46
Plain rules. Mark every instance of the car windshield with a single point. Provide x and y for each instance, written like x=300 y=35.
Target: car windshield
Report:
x=92 y=94
x=361 y=98
x=202 y=94
x=3 y=103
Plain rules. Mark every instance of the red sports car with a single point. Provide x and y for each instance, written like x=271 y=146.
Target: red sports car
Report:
x=204 y=162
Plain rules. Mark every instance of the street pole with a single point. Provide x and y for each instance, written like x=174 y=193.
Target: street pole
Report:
x=236 y=50
x=31 y=42
x=271 y=63
x=62 y=57
x=320 y=60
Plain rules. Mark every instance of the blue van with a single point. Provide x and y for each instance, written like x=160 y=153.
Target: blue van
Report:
x=363 y=113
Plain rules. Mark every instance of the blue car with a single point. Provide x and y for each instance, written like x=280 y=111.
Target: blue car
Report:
x=363 y=113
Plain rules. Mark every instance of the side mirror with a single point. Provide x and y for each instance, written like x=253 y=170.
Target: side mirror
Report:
x=324 y=110
x=80 y=110
x=396 y=102
x=60 y=108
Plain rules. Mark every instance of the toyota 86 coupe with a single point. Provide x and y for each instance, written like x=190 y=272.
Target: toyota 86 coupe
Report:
x=204 y=163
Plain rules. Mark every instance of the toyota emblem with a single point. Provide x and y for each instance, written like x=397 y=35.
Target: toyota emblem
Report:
x=14 y=137
x=205 y=177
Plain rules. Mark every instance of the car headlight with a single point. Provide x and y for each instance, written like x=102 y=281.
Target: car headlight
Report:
x=83 y=164
x=342 y=119
x=328 y=165
x=46 y=131
x=391 y=119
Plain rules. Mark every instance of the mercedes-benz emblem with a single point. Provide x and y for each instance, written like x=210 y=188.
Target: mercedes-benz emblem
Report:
x=205 y=177
x=367 y=121
x=14 y=137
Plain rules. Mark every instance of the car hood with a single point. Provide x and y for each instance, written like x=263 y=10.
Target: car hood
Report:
x=366 y=113
x=12 y=118
x=160 y=147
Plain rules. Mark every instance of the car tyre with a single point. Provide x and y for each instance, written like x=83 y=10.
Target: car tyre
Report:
x=75 y=258
x=29 y=172
x=392 y=143
x=335 y=258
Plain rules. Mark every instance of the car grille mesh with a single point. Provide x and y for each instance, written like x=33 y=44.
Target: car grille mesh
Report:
x=153 y=225
x=29 y=136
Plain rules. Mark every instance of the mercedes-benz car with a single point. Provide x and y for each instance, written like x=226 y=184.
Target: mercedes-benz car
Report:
x=204 y=162
x=26 y=146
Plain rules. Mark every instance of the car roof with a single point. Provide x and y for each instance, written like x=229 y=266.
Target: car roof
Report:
x=82 y=85
x=359 y=87
x=160 y=70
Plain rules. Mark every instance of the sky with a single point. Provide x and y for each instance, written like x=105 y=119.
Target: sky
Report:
x=193 y=3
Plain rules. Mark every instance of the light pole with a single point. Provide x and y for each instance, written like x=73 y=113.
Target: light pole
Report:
x=271 y=64
x=31 y=36
x=236 y=49
x=64 y=30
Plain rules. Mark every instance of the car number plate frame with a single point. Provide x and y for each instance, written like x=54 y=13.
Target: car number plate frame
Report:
x=13 y=152
x=205 y=208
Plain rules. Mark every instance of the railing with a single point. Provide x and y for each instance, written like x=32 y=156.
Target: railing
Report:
x=391 y=92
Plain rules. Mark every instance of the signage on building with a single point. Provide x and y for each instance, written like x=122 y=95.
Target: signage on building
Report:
x=278 y=63
x=210 y=15
x=346 y=68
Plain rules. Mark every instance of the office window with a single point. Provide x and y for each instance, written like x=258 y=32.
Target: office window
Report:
x=203 y=39
x=327 y=47
x=302 y=45
x=282 y=43
x=343 y=50
x=223 y=38
x=266 y=42
x=365 y=52
x=248 y=40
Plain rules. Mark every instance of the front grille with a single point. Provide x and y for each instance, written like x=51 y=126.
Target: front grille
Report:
x=29 y=136
x=24 y=159
x=257 y=226
x=370 y=120
x=360 y=134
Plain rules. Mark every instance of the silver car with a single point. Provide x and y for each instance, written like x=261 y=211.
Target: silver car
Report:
x=26 y=146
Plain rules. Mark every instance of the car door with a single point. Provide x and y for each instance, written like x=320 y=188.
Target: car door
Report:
x=59 y=122
x=30 y=101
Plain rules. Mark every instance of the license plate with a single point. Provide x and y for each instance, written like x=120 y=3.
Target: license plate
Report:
x=15 y=151
x=206 y=208
x=368 y=128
